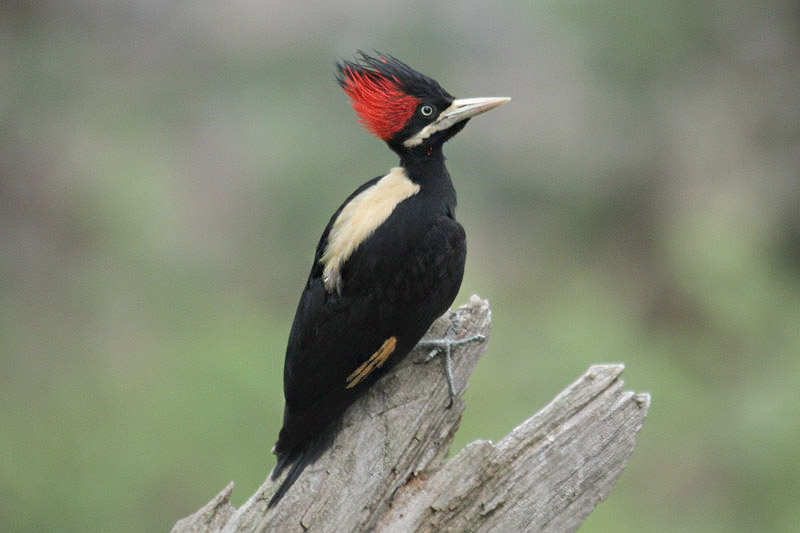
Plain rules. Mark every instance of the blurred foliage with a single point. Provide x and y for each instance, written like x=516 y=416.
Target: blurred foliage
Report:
x=166 y=169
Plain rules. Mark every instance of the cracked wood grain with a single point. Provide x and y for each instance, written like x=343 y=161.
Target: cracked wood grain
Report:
x=386 y=471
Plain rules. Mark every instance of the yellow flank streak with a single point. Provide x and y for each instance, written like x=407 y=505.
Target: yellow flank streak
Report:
x=360 y=218
x=376 y=360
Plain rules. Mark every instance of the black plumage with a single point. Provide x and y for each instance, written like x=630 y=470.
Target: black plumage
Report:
x=389 y=262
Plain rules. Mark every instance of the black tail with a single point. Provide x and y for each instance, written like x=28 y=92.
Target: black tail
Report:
x=297 y=460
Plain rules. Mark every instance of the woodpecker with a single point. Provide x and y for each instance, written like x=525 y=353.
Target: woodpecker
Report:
x=388 y=264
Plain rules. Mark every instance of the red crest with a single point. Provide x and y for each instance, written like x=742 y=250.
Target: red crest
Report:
x=381 y=105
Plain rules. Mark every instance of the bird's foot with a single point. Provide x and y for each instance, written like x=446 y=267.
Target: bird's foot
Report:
x=444 y=347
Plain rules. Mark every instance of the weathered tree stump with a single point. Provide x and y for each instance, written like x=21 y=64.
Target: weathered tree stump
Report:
x=386 y=470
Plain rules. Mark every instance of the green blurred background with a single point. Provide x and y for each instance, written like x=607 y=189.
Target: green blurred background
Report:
x=167 y=168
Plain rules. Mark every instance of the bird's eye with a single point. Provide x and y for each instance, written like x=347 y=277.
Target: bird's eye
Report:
x=426 y=110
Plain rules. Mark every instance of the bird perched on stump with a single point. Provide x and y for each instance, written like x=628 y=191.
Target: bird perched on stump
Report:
x=388 y=264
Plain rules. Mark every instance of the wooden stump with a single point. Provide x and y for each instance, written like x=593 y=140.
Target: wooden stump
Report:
x=386 y=470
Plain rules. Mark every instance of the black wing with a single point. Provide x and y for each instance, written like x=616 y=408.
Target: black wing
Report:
x=394 y=286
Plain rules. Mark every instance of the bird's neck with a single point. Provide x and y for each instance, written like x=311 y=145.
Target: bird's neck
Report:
x=425 y=165
x=426 y=168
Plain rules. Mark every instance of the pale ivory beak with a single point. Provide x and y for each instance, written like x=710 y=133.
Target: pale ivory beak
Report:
x=465 y=108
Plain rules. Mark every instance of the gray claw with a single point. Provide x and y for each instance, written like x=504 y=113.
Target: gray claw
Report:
x=444 y=348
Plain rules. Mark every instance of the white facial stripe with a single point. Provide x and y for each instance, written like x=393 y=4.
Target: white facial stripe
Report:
x=442 y=122
x=360 y=218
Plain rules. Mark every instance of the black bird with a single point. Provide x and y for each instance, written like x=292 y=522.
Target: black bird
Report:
x=388 y=264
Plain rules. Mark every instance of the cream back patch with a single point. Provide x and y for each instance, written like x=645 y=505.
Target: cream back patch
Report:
x=359 y=219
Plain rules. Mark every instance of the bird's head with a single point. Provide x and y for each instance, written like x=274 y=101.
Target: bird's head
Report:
x=403 y=107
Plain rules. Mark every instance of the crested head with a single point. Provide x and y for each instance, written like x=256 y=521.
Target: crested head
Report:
x=408 y=110
x=385 y=92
